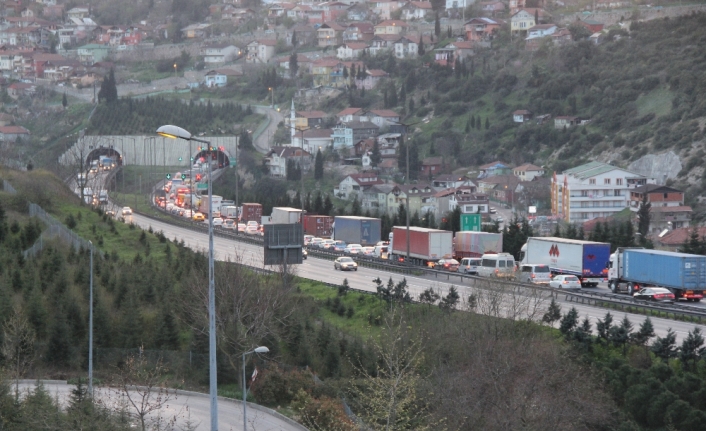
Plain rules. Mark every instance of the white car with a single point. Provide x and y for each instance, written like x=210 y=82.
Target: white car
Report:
x=188 y=214
x=315 y=242
x=565 y=282
x=345 y=263
x=217 y=221
x=127 y=211
x=253 y=223
x=353 y=249
x=307 y=239
x=252 y=230
x=327 y=244
x=242 y=227
x=229 y=224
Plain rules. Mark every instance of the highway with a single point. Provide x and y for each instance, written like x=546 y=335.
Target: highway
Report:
x=182 y=408
x=322 y=270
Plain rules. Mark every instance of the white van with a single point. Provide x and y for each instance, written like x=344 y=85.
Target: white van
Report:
x=469 y=265
x=380 y=251
x=538 y=274
x=497 y=265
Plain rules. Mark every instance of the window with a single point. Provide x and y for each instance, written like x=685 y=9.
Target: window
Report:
x=592 y=181
x=618 y=181
x=617 y=192
x=606 y=181
x=584 y=193
x=665 y=195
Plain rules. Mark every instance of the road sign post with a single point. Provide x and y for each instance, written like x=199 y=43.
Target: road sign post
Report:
x=470 y=222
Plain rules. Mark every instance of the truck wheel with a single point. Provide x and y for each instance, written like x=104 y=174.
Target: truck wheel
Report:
x=613 y=286
x=697 y=299
x=631 y=288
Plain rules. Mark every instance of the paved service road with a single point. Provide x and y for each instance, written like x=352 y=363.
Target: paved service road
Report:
x=182 y=408
x=322 y=270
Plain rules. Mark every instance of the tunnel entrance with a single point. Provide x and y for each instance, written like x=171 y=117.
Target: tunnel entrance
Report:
x=219 y=158
x=102 y=152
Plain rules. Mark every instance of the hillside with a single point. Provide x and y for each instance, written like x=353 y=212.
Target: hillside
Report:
x=641 y=89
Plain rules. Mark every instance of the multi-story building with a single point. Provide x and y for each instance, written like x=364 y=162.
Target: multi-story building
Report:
x=667 y=207
x=593 y=190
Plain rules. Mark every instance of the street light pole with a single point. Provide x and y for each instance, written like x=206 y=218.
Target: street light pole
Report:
x=406 y=180
x=261 y=349
x=175 y=132
x=90 y=329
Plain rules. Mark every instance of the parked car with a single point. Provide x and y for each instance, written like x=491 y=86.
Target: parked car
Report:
x=345 y=263
x=353 y=249
x=657 y=294
x=198 y=217
x=565 y=282
x=447 y=265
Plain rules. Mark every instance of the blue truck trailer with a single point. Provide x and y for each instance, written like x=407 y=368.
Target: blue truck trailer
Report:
x=357 y=230
x=631 y=269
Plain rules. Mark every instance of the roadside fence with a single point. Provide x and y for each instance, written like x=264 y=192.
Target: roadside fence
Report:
x=56 y=230
x=7 y=187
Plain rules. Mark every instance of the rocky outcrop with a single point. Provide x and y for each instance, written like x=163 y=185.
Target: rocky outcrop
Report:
x=661 y=167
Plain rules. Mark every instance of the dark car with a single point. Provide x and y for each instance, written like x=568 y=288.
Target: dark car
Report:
x=657 y=294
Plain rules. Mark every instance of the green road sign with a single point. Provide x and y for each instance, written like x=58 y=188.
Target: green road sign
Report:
x=470 y=222
x=183 y=176
x=201 y=186
x=169 y=176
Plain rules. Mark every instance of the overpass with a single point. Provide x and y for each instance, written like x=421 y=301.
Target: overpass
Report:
x=150 y=150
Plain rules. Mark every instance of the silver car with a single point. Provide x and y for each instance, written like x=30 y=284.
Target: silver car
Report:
x=565 y=282
x=345 y=263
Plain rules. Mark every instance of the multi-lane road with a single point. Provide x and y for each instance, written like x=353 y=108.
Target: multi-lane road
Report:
x=322 y=270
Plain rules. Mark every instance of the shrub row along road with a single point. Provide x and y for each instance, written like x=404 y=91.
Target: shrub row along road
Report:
x=322 y=270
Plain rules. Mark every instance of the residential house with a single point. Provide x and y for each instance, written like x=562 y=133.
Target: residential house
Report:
x=60 y=70
x=527 y=172
x=333 y=10
x=444 y=56
x=12 y=133
x=458 y=4
x=324 y=71
x=481 y=30
x=214 y=78
x=380 y=200
x=391 y=26
x=342 y=137
x=471 y=203
x=52 y=12
x=462 y=49
x=276 y=159
x=676 y=239
x=667 y=206
x=358 y=32
x=195 y=31
x=537 y=34
x=92 y=53
x=261 y=51
x=418 y=198
x=415 y=10
x=389 y=143
x=6 y=119
x=591 y=25
x=561 y=37
x=356 y=185
x=351 y=50
x=350 y=114
x=499 y=187
x=523 y=20
x=593 y=190
x=371 y=80
x=219 y=53
x=451 y=181
x=405 y=48
x=345 y=135
x=303 y=63
x=359 y=12
x=77 y=13
x=597 y=38
x=330 y=34
x=494 y=168
x=310 y=119
x=316 y=139
x=431 y=166
x=613 y=4
x=384 y=8
x=521 y=116
x=305 y=35
x=565 y=121
x=493 y=8
x=383 y=118
x=382 y=42
x=363 y=146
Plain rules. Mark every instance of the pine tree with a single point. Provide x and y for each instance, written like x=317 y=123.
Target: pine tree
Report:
x=665 y=347
x=644 y=217
x=319 y=165
x=437 y=25
x=569 y=322
x=536 y=17
x=411 y=105
x=375 y=156
x=420 y=46
x=328 y=205
x=487 y=123
x=604 y=326
x=59 y=345
x=448 y=303
x=473 y=122
x=621 y=334
x=294 y=42
x=553 y=313
x=64 y=101
x=293 y=65
x=167 y=336
x=692 y=349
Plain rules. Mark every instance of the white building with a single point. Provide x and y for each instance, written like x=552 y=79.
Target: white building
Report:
x=219 y=53
x=527 y=172
x=593 y=190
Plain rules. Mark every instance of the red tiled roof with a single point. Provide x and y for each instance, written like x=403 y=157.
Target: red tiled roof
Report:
x=377 y=73
x=356 y=45
x=527 y=167
x=13 y=130
x=676 y=209
x=387 y=113
x=350 y=111
x=311 y=114
x=680 y=236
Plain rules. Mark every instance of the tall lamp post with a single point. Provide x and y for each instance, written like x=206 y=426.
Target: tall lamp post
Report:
x=90 y=329
x=175 y=132
x=261 y=349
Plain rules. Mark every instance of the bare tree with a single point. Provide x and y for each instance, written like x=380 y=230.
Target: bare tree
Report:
x=18 y=345
x=142 y=384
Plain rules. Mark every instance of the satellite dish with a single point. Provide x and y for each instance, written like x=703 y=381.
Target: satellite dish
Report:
x=663 y=233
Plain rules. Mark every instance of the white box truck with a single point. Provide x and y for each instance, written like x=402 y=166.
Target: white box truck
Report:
x=203 y=205
x=285 y=215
